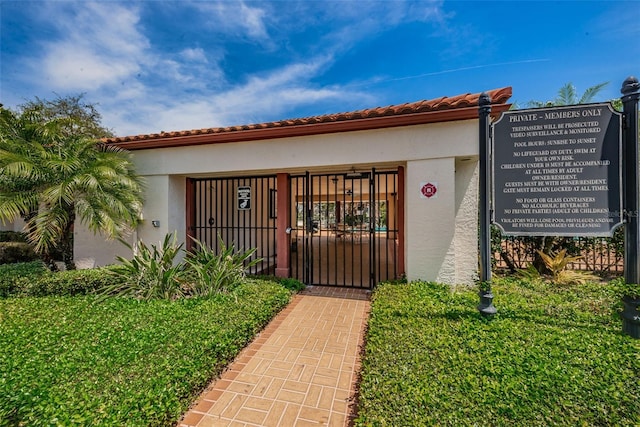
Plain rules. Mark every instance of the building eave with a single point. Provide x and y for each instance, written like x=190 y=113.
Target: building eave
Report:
x=290 y=131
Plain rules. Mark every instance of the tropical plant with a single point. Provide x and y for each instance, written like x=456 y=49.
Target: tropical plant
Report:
x=156 y=271
x=557 y=264
x=212 y=272
x=50 y=176
x=152 y=273
x=568 y=95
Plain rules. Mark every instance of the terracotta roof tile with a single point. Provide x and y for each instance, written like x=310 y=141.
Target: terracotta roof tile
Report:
x=498 y=97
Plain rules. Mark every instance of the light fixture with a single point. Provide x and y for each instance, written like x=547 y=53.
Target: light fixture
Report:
x=155 y=223
x=354 y=174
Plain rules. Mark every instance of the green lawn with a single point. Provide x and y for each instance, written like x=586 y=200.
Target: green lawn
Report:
x=552 y=356
x=72 y=361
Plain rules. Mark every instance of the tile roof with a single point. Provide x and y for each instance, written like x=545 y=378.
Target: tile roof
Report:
x=454 y=108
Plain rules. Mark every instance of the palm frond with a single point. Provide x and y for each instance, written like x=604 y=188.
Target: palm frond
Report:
x=566 y=95
x=591 y=92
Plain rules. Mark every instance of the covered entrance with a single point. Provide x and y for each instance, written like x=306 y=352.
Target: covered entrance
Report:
x=334 y=229
x=345 y=228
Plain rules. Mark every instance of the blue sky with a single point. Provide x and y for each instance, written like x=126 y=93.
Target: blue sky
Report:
x=156 y=66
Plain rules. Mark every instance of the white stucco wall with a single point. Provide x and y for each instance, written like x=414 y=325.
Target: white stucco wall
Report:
x=466 y=224
x=430 y=222
x=91 y=250
x=15 y=225
x=164 y=201
x=392 y=145
x=440 y=232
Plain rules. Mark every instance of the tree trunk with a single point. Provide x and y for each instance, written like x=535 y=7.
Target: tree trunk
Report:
x=66 y=243
x=510 y=264
x=544 y=245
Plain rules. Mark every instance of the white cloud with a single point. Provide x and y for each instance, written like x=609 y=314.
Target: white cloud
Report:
x=145 y=88
x=278 y=92
x=100 y=45
x=234 y=17
x=195 y=55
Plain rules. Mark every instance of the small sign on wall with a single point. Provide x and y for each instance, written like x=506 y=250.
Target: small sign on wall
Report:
x=244 y=198
x=428 y=190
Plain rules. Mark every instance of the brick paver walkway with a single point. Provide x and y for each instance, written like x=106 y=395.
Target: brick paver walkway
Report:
x=300 y=371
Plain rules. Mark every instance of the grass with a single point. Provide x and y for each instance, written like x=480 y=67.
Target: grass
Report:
x=552 y=356
x=72 y=361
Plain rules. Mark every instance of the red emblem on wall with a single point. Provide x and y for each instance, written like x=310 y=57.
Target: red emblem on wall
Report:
x=428 y=190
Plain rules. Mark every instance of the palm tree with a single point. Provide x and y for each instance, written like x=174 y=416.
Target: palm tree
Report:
x=567 y=95
x=50 y=177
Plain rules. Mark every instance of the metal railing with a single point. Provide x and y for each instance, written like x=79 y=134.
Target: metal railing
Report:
x=602 y=256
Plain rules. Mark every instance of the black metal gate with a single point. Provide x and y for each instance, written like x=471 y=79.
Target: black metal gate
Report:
x=239 y=211
x=344 y=228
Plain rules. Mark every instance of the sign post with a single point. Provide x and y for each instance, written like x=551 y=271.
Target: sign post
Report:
x=559 y=172
x=486 y=306
x=631 y=315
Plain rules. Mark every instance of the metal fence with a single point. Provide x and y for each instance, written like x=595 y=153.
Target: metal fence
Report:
x=602 y=256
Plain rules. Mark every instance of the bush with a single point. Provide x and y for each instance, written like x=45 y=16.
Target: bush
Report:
x=72 y=282
x=210 y=273
x=154 y=273
x=13 y=252
x=14 y=277
x=34 y=279
x=13 y=236
x=151 y=273
x=287 y=282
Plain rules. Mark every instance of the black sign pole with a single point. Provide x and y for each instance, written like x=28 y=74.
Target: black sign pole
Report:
x=631 y=203
x=486 y=307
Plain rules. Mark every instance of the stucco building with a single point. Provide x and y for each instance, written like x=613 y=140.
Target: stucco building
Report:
x=344 y=199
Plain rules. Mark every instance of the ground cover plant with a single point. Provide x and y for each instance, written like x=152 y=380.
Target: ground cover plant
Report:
x=122 y=361
x=553 y=355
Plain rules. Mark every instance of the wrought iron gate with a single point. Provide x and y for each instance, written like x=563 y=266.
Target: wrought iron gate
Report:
x=344 y=228
x=239 y=211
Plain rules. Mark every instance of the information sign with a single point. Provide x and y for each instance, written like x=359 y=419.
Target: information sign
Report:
x=557 y=171
x=244 y=198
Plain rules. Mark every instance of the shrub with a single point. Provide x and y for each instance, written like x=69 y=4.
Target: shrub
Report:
x=151 y=273
x=34 y=279
x=557 y=265
x=292 y=284
x=210 y=272
x=287 y=282
x=13 y=236
x=13 y=252
x=623 y=289
x=14 y=277
x=72 y=282
x=154 y=272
